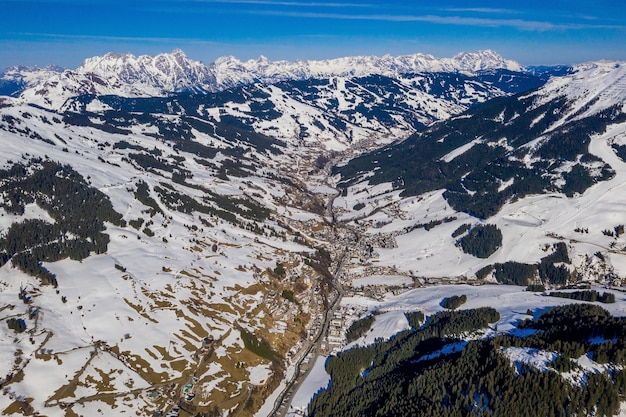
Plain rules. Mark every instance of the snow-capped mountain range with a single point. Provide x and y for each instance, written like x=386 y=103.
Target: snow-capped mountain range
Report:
x=335 y=102
x=144 y=76
x=230 y=71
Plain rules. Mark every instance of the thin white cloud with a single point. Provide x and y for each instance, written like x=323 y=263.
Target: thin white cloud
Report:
x=485 y=10
x=521 y=24
x=106 y=38
x=285 y=3
x=181 y=3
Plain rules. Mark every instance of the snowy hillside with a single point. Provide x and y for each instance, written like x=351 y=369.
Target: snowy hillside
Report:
x=542 y=168
x=337 y=113
x=591 y=88
x=208 y=257
x=516 y=322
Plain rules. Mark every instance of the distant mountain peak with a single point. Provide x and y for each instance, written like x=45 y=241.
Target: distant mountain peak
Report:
x=484 y=60
x=178 y=52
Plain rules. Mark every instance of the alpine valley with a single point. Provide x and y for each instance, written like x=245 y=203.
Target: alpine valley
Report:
x=363 y=236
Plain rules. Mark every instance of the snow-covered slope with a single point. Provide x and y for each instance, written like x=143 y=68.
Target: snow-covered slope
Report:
x=334 y=113
x=221 y=231
x=513 y=304
x=149 y=76
x=120 y=74
x=16 y=79
x=207 y=223
x=591 y=88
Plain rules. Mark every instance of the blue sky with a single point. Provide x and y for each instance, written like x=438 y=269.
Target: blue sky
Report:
x=65 y=32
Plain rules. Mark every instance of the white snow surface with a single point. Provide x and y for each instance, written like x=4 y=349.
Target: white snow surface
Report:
x=592 y=87
x=537 y=358
x=176 y=290
x=127 y=332
x=460 y=150
x=386 y=325
x=512 y=302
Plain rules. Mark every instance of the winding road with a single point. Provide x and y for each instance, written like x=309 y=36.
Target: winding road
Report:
x=283 y=402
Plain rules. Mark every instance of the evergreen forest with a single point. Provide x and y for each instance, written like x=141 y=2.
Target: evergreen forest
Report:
x=79 y=212
x=432 y=370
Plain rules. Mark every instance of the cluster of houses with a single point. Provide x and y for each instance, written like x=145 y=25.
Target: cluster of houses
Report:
x=343 y=317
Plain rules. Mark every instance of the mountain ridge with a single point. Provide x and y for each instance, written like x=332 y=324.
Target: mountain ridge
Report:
x=141 y=76
x=336 y=113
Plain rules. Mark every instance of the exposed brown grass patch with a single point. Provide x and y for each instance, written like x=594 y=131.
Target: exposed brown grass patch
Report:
x=187 y=274
x=19 y=407
x=141 y=366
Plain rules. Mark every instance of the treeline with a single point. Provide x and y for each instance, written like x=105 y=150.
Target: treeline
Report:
x=575 y=329
x=454 y=323
x=359 y=328
x=142 y=193
x=79 y=212
x=471 y=180
x=180 y=131
x=227 y=207
x=358 y=370
x=453 y=302
x=555 y=274
x=461 y=230
x=148 y=162
x=257 y=346
x=585 y=295
x=430 y=225
x=589 y=320
x=516 y=273
x=415 y=319
x=481 y=241
x=411 y=375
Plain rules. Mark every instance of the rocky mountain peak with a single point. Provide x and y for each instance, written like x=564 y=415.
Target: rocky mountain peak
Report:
x=484 y=60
